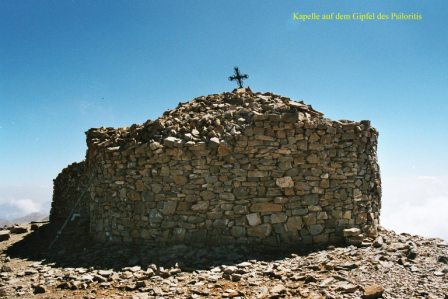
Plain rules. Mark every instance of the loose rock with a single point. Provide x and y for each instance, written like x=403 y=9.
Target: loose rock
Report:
x=373 y=291
x=39 y=289
x=4 y=235
x=18 y=230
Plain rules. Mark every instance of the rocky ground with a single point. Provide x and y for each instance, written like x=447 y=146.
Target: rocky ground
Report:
x=390 y=266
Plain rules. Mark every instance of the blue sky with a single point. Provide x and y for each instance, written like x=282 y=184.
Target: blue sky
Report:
x=67 y=66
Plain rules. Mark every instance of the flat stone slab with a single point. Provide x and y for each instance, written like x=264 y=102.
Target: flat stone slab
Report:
x=4 y=235
x=351 y=232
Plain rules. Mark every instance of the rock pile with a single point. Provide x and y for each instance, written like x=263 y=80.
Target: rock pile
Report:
x=205 y=119
x=379 y=268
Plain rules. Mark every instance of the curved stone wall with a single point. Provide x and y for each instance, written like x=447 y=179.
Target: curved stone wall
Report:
x=234 y=168
x=282 y=182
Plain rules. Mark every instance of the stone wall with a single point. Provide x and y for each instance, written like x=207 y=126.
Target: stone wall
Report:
x=68 y=187
x=237 y=167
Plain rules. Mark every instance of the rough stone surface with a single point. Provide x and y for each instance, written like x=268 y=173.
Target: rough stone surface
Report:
x=69 y=186
x=253 y=219
x=84 y=270
x=373 y=291
x=351 y=232
x=239 y=167
x=39 y=289
x=285 y=182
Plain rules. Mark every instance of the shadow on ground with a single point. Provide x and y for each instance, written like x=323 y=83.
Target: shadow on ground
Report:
x=75 y=249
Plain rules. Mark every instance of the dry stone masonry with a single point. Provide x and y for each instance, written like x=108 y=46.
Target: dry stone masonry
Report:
x=239 y=167
x=69 y=193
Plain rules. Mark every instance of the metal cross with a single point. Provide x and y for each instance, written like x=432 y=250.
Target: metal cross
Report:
x=238 y=77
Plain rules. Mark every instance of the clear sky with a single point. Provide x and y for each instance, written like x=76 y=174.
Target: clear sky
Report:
x=67 y=66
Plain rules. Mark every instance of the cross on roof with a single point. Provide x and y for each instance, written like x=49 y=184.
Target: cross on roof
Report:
x=238 y=77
